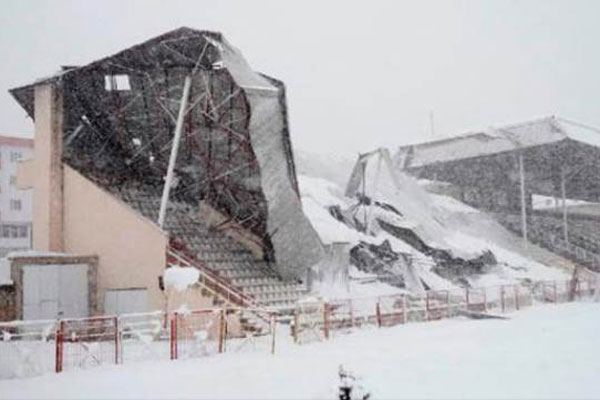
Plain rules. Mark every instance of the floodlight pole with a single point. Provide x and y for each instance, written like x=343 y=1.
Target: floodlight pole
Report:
x=523 y=202
x=563 y=189
x=173 y=158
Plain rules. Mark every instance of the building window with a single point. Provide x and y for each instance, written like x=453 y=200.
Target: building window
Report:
x=13 y=180
x=15 y=205
x=116 y=83
x=15 y=156
x=13 y=231
x=22 y=231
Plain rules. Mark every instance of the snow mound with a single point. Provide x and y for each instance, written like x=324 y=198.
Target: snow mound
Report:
x=180 y=278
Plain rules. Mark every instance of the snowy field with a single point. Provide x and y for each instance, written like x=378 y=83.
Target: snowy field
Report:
x=548 y=351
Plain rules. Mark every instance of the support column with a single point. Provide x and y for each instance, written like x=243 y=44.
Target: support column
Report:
x=174 y=148
x=523 y=200
x=563 y=190
x=48 y=203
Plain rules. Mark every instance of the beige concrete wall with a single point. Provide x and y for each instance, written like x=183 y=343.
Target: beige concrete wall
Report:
x=71 y=214
x=131 y=249
x=47 y=182
x=190 y=299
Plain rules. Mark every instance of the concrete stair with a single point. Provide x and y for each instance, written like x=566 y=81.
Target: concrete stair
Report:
x=549 y=238
x=218 y=252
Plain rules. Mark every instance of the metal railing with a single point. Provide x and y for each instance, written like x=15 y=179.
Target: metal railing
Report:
x=318 y=320
x=29 y=348
x=217 y=285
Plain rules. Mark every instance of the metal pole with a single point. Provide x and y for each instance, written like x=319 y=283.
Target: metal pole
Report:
x=563 y=189
x=364 y=193
x=485 y=305
x=173 y=337
x=174 y=149
x=296 y=326
x=59 y=341
x=523 y=202
x=117 y=344
x=431 y=125
x=326 y=320
x=273 y=333
x=222 y=331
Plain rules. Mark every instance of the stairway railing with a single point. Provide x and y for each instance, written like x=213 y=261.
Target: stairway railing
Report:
x=211 y=281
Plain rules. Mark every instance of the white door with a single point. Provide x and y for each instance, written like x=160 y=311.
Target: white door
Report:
x=125 y=301
x=55 y=291
x=73 y=293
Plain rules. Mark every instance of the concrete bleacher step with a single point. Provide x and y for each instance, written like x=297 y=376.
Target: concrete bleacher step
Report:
x=254 y=281
x=218 y=257
x=223 y=255
x=269 y=289
x=547 y=232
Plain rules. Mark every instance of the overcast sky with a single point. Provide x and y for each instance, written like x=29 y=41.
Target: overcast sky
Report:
x=359 y=74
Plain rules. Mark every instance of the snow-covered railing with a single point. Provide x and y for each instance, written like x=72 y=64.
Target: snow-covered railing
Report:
x=318 y=320
x=29 y=348
x=34 y=347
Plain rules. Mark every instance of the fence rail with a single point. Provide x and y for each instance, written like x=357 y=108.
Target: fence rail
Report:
x=29 y=348
x=318 y=320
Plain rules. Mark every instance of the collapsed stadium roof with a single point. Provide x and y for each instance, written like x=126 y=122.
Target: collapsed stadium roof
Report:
x=550 y=146
x=119 y=115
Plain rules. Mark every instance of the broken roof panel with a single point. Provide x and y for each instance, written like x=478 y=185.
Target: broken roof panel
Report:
x=119 y=119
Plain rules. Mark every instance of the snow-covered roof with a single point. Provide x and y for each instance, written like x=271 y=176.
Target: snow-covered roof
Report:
x=497 y=140
x=36 y=253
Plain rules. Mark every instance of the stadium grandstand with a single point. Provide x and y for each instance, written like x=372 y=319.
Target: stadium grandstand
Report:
x=505 y=170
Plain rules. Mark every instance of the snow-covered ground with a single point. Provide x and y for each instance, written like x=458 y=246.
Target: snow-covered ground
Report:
x=544 y=352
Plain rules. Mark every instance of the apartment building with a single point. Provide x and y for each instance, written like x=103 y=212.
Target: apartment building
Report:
x=15 y=204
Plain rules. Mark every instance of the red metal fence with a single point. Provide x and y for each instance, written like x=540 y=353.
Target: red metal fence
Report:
x=29 y=348
x=34 y=347
x=318 y=320
x=87 y=342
